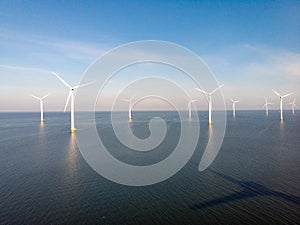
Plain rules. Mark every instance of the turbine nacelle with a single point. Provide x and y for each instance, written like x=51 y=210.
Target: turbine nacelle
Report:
x=209 y=99
x=191 y=100
x=208 y=94
x=41 y=105
x=128 y=100
x=281 y=97
x=233 y=105
x=234 y=101
x=70 y=97
x=267 y=103
x=293 y=103
x=41 y=97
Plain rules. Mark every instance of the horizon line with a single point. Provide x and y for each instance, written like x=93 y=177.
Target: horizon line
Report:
x=158 y=110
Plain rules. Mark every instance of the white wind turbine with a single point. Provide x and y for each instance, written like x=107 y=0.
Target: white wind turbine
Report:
x=41 y=105
x=266 y=105
x=209 y=99
x=293 y=104
x=70 y=96
x=233 y=106
x=190 y=101
x=281 y=99
x=129 y=107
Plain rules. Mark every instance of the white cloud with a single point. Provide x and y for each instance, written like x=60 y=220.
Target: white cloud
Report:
x=250 y=72
x=75 y=50
x=78 y=50
x=276 y=62
x=22 y=68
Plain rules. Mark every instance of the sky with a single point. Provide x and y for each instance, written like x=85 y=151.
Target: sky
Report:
x=251 y=46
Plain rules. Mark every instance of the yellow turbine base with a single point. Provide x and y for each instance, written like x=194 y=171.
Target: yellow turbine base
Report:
x=73 y=130
x=210 y=123
x=42 y=121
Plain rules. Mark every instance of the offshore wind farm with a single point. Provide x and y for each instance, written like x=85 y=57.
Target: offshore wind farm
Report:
x=65 y=183
x=157 y=113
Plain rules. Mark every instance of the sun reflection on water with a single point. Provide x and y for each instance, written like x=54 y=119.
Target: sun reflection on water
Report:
x=72 y=155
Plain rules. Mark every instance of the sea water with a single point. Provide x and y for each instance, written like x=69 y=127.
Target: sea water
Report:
x=253 y=180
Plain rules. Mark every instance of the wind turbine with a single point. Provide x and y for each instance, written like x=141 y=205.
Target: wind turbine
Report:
x=41 y=105
x=233 y=105
x=281 y=99
x=70 y=96
x=208 y=97
x=190 y=101
x=293 y=104
x=130 y=107
x=267 y=106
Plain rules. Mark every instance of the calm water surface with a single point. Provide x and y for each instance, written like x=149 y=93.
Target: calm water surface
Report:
x=253 y=180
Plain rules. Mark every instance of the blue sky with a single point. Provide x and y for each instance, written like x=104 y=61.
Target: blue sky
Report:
x=251 y=47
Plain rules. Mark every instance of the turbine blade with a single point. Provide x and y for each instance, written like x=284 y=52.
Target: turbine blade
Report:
x=276 y=92
x=287 y=95
x=35 y=97
x=46 y=96
x=64 y=82
x=194 y=100
x=67 y=101
x=216 y=89
x=231 y=100
x=82 y=85
x=204 y=92
x=125 y=100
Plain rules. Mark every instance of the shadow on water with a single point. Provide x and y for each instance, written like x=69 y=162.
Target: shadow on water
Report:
x=249 y=189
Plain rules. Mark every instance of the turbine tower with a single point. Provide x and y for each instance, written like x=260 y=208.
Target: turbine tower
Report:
x=129 y=107
x=190 y=101
x=70 y=97
x=281 y=97
x=41 y=105
x=293 y=104
x=233 y=106
x=266 y=105
x=209 y=99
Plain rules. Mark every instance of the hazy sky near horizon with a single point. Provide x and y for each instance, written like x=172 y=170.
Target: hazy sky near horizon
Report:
x=251 y=47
